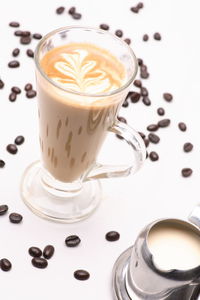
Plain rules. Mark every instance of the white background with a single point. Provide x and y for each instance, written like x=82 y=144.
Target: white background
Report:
x=158 y=190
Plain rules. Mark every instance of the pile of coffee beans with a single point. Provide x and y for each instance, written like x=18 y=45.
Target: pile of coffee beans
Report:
x=38 y=261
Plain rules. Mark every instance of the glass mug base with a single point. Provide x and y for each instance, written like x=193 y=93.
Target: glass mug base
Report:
x=60 y=206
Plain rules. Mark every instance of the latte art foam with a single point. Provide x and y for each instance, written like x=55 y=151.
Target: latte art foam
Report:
x=84 y=68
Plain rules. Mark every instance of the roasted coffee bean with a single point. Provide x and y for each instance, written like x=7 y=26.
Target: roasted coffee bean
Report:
x=12 y=149
x=30 y=53
x=144 y=92
x=140 y=5
x=135 y=9
x=157 y=36
x=140 y=62
x=72 y=241
x=125 y=104
x=15 y=218
x=35 y=251
x=76 y=16
x=138 y=83
x=146 y=141
x=153 y=138
x=2 y=163
x=3 y=209
x=19 y=140
x=135 y=97
x=72 y=10
x=81 y=275
x=122 y=119
x=37 y=36
x=16 y=90
x=128 y=41
x=164 y=123
x=1 y=84
x=161 y=111
x=153 y=156
x=60 y=10
x=168 y=97
x=13 y=64
x=112 y=236
x=18 y=32
x=146 y=101
x=31 y=94
x=186 y=172
x=182 y=126
x=119 y=33
x=129 y=95
x=15 y=52
x=39 y=262
x=5 y=264
x=104 y=26
x=48 y=251
x=144 y=74
x=152 y=127
x=145 y=37
x=12 y=97
x=187 y=147
x=25 y=40
x=14 y=24
x=142 y=134
x=143 y=68
x=28 y=87
x=26 y=33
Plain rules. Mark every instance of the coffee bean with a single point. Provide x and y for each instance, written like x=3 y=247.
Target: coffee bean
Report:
x=39 y=262
x=122 y=119
x=81 y=275
x=186 y=172
x=25 y=40
x=182 y=126
x=15 y=218
x=19 y=140
x=161 y=111
x=72 y=10
x=143 y=68
x=12 y=149
x=1 y=84
x=104 y=26
x=37 y=36
x=76 y=16
x=168 y=97
x=18 y=32
x=14 y=24
x=135 y=9
x=72 y=241
x=187 y=147
x=127 y=40
x=119 y=33
x=153 y=138
x=48 y=251
x=60 y=10
x=164 y=123
x=138 y=83
x=135 y=97
x=31 y=94
x=112 y=236
x=152 y=127
x=5 y=264
x=157 y=36
x=146 y=141
x=26 y=33
x=129 y=95
x=15 y=52
x=140 y=62
x=35 y=251
x=142 y=134
x=125 y=104
x=13 y=64
x=3 y=209
x=16 y=90
x=145 y=37
x=144 y=74
x=2 y=163
x=153 y=156
x=146 y=101
x=30 y=53
x=12 y=97
x=144 y=92
x=28 y=87
x=140 y=5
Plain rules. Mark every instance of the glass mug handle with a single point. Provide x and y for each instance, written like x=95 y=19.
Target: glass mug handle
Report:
x=133 y=139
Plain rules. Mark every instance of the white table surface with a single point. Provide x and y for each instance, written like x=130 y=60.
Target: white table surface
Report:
x=158 y=190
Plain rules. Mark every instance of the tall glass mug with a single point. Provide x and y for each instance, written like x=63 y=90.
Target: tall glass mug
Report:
x=73 y=125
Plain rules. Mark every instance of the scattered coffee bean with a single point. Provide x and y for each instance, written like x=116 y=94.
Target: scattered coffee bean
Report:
x=187 y=147
x=153 y=156
x=19 y=140
x=104 y=26
x=15 y=218
x=182 y=126
x=112 y=236
x=2 y=163
x=161 y=111
x=140 y=62
x=16 y=90
x=142 y=134
x=15 y=52
x=37 y=36
x=152 y=127
x=31 y=94
x=164 y=123
x=153 y=138
x=128 y=41
x=146 y=141
x=135 y=97
x=119 y=33
x=72 y=10
x=13 y=64
x=35 y=251
x=14 y=24
x=140 y=5
x=28 y=87
x=72 y=241
x=186 y=172
x=5 y=264
x=146 y=101
x=12 y=97
x=122 y=119
x=30 y=53
x=144 y=74
x=3 y=209
x=25 y=40
x=18 y=32
x=145 y=37
x=81 y=275
x=48 y=251
x=157 y=36
x=76 y=16
x=138 y=83
x=143 y=68
x=39 y=262
x=135 y=9
x=12 y=149
x=125 y=104
x=144 y=92
x=1 y=84
x=129 y=95
x=168 y=97
x=26 y=33
x=60 y=10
